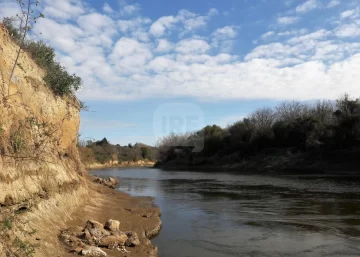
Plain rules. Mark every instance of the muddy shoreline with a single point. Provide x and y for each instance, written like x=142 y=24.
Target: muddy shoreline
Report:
x=138 y=214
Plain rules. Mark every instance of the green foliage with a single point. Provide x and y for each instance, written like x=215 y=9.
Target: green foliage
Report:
x=320 y=126
x=57 y=78
x=17 y=141
x=7 y=224
x=13 y=31
x=41 y=53
x=146 y=153
x=60 y=81
x=103 y=151
x=25 y=248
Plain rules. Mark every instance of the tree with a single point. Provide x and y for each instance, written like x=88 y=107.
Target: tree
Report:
x=146 y=153
x=26 y=19
x=291 y=110
x=263 y=119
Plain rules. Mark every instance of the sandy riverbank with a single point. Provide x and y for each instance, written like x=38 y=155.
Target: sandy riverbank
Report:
x=144 y=164
x=138 y=214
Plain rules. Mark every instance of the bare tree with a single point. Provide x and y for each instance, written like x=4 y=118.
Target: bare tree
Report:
x=291 y=110
x=263 y=119
x=26 y=19
x=323 y=111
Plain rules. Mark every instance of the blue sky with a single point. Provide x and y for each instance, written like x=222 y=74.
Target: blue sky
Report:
x=142 y=61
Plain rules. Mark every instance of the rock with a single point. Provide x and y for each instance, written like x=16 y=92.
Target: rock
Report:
x=113 y=182
x=88 y=238
x=112 y=225
x=96 y=231
x=90 y=224
x=77 y=250
x=93 y=252
x=133 y=239
x=113 y=241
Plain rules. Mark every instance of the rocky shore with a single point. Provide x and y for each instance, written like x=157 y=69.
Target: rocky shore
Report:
x=112 y=224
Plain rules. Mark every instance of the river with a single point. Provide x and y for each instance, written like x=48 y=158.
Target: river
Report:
x=214 y=214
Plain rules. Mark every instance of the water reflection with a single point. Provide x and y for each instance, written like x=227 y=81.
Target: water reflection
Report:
x=217 y=214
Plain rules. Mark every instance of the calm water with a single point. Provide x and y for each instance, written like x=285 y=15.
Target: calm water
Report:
x=217 y=214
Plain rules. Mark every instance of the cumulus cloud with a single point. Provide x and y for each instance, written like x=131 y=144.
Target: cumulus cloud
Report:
x=189 y=21
x=159 y=27
x=122 y=55
x=164 y=46
x=107 y=8
x=8 y=9
x=307 y=6
x=286 y=20
x=65 y=9
x=267 y=34
x=192 y=46
x=348 y=30
x=333 y=3
x=352 y=14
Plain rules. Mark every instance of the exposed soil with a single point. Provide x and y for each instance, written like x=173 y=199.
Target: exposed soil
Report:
x=138 y=214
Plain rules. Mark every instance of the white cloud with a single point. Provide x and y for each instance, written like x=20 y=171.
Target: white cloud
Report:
x=192 y=46
x=350 y=13
x=223 y=38
x=158 y=28
x=118 y=60
x=164 y=46
x=189 y=22
x=213 y=12
x=8 y=9
x=65 y=9
x=225 y=32
x=267 y=34
x=307 y=6
x=285 y=20
x=293 y=32
x=348 y=30
x=320 y=34
x=128 y=9
x=107 y=8
x=333 y=3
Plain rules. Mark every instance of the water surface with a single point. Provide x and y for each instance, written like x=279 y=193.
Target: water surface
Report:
x=209 y=214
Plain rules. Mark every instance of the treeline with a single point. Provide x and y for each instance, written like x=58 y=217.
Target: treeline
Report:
x=104 y=152
x=292 y=126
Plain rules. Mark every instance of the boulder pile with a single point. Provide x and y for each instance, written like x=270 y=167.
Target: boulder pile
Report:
x=89 y=240
x=110 y=182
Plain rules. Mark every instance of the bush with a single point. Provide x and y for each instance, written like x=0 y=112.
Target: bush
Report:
x=14 y=32
x=57 y=78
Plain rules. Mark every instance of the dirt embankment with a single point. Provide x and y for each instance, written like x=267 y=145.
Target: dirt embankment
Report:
x=43 y=184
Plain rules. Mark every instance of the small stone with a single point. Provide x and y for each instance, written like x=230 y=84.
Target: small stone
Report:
x=133 y=239
x=93 y=224
x=112 y=225
x=113 y=241
x=93 y=251
x=77 y=250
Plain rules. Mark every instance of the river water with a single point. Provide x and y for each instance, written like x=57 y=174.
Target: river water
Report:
x=213 y=214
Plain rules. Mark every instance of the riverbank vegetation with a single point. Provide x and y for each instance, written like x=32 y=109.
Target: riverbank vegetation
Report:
x=291 y=133
x=103 y=152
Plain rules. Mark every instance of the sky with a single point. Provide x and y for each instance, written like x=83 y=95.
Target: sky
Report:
x=154 y=67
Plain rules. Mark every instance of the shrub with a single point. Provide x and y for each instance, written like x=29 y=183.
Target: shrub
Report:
x=17 y=141
x=13 y=31
x=57 y=77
